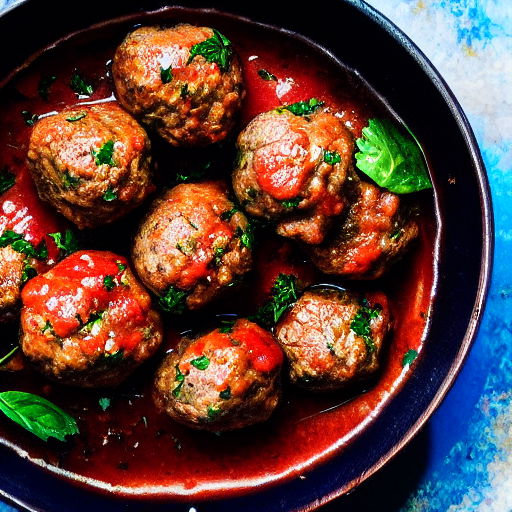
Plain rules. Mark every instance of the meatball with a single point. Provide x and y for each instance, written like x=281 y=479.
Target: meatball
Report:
x=91 y=162
x=222 y=380
x=167 y=78
x=372 y=234
x=192 y=245
x=87 y=321
x=291 y=169
x=11 y=272
x=333 y=338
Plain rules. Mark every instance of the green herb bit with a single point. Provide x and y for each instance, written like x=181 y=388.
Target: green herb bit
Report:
x=291 y=203
x=180 y=378
x=225 y=394
x=104 y=155
x=79 y=85
x=226 y=216
x=187 y=247
x=303 y=108
x=266 y=75
x=212 y=412
x=166 y=75
x=109 y=195
x=44 y=86
x=28 y=272
x=37 y=415
x=391 y=159
x=79 y=116
x=66 y=242
x=109 y=283
x=18 y=243
x=409 y=357
x=29 y=118
x=360 y=324
x=104 y=403
x=332 y=157
x=121 y=266
x=397 y=234
x=47 y=327
x=173 y=301
x=216 y=49
x=114 y=357
x=246 y=237
x=201 y=363
x=7 y=180
x=184 y=91
x=330 y=346
x=218 y=253
x=227 y=326
x=5 y=359
x=93 y=324
x=70 y=182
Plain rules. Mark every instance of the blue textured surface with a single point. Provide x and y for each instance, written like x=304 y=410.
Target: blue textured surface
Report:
x=462 y=460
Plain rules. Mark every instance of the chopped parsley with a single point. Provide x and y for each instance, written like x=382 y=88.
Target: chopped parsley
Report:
x=173 y=301
x=216 y=49
x=104 y=403
x=66 y=242
x=7 y=180
x=120 y=266
x=109 y=283
x=18 y=243
x=226 y=216
x=44 y=86
x=332 y=157
x=166 y=75
x=29 y=118
x=187 y=247
x=47 y=327
x=70 y=182
x=225 y=394
x=303 y=108
x=396 y=234
x=114 y=357
x=28 y=272
x=77 y=117
x=201 y=363
x=247 y=236
x=180 y=379
x=227 y=326
x=360 y=324
x=282 y=295
x=291 y=203
x=93 y=325
x=218 y=253
x=109 y=195
x=104 y=155
x=266 y=75
x=330 y=346
x=212 y=412
x=409 y=357
x=79 y=85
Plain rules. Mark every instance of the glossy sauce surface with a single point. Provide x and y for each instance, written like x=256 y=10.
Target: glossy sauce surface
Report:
x=130 y=444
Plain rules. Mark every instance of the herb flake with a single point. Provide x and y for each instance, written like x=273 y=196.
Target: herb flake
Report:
x=332 y=157
x=29 y=118
x=18 y=243
x=79 y=85
x=303 y=108
x=266 y=75
x=201 y=363
x=409 y=357
x=76 y=117
x=166 y=75
x=216 y=49
x=66 y=242
x=104 y=155
x=360 y=324
x=173 y=301
x=291 y=203
x=7 y=180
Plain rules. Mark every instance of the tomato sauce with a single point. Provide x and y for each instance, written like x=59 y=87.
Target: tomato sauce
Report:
x=130 y=444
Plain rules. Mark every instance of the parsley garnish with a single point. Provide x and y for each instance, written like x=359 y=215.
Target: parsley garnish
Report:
x=93 y=325
x=44 y=86
x=227 y=326
x=218 y=253
x=166 y=75
x=246 y=237
x=18 y=243
x=283 y=295
x=104 y=403
x=201 y=363
x=109 y=283
x=391 y=159
x=79 y=116
x=216 y=49
x=303 y=108
x=187 y=247
x=47 y=327
x=409 y=357
x=173 y=301
x=332 y=157
x=212 y=412
x=79 y=85
x=105 y=154
x=109 y=195
x=29 y=118
x=70 y=182
x=7 y=180
x=120 y=266
x=266 y=75
x=229 y=213
x=66 y=243
x=397 y=234
x=28 y=272
x=361 y=323
x=291 y=203
x=114 y=357
x=225 y=394
x=180 y=378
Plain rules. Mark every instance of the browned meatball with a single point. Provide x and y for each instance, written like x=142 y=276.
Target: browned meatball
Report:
x=88 y=322
x=11 y=271
x=333 y=338
x=165 y=79
x=222 y=380
x=372 y=234
x=92 y=163
x=192 y=245
x=291 y=170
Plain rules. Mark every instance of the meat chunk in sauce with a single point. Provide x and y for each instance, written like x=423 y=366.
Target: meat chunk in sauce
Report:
x=92 y=163
x=194 y=241
x=88 y=322
x=369 y=237
x=222 y=380
x=164 y=79
x=333 y=338
x=291 y=170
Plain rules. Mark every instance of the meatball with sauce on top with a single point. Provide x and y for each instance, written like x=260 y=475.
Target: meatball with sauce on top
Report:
x=185 y=82
x=91 y=162
x=88 y=322
x=291 y=169
x=192 y=245
x=224 y=380
x=333 y=338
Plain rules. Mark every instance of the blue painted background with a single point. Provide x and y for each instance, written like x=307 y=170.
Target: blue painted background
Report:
x=462 y=460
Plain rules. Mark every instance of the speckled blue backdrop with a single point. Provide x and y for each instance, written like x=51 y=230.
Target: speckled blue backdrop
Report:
x=462 y=460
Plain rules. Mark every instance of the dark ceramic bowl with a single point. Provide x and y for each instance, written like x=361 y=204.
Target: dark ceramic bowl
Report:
x=401 y=74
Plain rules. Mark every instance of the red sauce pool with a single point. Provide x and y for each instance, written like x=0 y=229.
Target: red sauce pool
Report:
x=130 y=445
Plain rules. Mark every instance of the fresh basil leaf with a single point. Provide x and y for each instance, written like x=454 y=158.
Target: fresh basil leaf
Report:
x=392 y=159
x=216 y=49
x=37 y=415
x=7 y=180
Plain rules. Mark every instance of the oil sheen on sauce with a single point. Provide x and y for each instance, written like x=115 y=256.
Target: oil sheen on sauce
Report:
x=124 y=441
